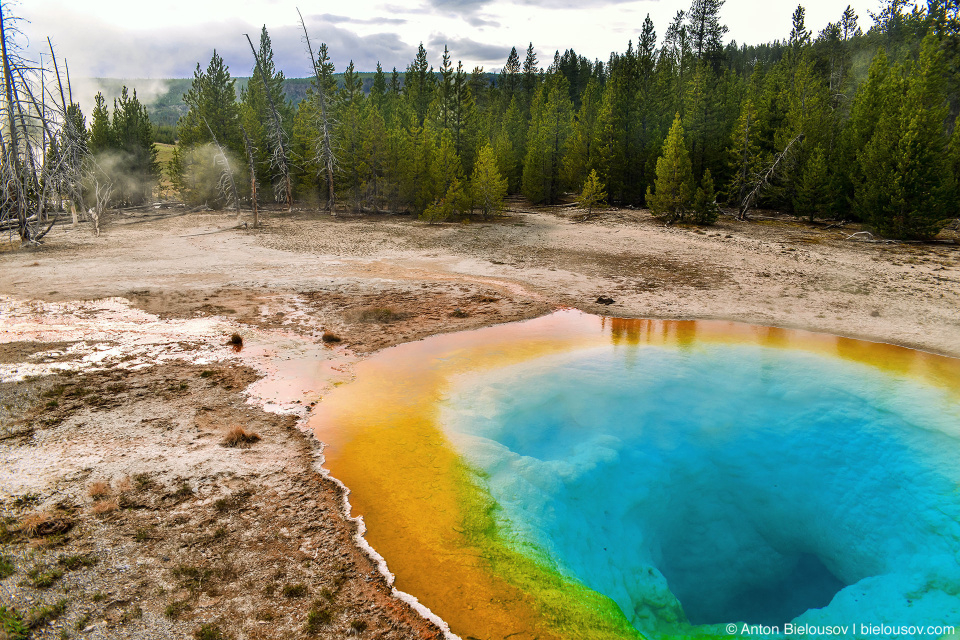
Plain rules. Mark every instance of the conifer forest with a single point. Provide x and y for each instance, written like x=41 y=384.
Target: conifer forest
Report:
x=856 y=122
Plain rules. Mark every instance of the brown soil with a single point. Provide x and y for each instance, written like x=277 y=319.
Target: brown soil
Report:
x=250 y=538
x=85 y=402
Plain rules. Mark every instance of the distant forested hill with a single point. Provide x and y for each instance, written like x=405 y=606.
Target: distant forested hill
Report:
x=164 y=97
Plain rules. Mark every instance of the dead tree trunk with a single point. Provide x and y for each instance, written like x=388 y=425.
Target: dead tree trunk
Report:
x=253 y=177
x=325 y=152
x=226 y=173
x=279 y=157
x=763 y=180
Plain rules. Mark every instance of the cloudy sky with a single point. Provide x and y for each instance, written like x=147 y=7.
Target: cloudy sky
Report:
x=136 y=39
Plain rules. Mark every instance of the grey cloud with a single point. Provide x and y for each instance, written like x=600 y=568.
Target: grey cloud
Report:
x=466 y=48
x=95 y=49
x=474 y=5
x=335 y=19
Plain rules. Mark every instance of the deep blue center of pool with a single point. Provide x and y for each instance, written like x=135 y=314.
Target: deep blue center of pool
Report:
x=722 y=483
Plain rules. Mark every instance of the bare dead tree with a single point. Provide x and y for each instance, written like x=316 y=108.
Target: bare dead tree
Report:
x=253 y=177
x=764 y=178
x=226 y=184
x=101 y=194
x=41 y=149
x=325 y=153
x=279 y=158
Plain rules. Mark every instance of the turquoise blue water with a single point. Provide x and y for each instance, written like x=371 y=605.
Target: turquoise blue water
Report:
x=719 y=484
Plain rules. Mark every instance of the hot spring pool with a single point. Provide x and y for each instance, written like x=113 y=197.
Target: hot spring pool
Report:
x=581 y=477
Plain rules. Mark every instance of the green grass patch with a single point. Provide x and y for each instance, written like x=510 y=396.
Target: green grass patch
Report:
x=7 y=568
x=43 y=577
x=12 y=624
x=71 y=563
x=176 y=609
x=298 y=590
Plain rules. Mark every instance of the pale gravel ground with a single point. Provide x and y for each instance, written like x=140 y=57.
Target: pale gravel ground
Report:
x=784 y=274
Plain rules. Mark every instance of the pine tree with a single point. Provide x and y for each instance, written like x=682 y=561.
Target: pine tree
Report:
x=744 y=153
x=305 y=168
x=550 y=127
x=375 y=153
x=212 y=105
x=705 y=31
x=378 y=92
x=530 y=75
x=581 y=154
x=799 y=34
x=101 y=134
x=870 y=101
x=509 y=79
x=488 y=187
x=592 y=194
x=510 y=145
x=908 y=190
x=705 y=208
x=256 y=114
x=132 y=137
x=674 y=182
x=419 y=85
x=813 y=193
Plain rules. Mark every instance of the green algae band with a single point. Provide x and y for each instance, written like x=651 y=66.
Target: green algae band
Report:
x=574 y=476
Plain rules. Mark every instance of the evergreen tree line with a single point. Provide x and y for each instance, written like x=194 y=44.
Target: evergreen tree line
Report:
x=844 y=124
x=122 y=152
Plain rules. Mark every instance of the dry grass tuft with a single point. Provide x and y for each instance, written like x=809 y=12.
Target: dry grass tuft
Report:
x=238 y=436
x=124 y=485
x=381 y=315
x=40 y=524
x=330 y=337
x=101 y=507
x=98 y=489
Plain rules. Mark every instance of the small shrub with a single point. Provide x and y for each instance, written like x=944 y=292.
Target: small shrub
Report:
x=46 y=613
x=131 y=614
x=317 y=617
x=238 y=436
x=70 y=563
x=358 y=625
x=207 y=373
x=209 y=631
x=43 y=578
x=330 y=337
x=83 y=621
x=42 y=524
x=459 y=313
x=98 y=489
x=52 y=404
x=7 y=568
x=184 y=491
x=236 y=340
x=12 y=625
x=298 y=590
x=143 y=481
x=26 y=500
x=98 y=596
x=102 y=507
x=142 y=535
x=269 y=590
x=381 y=315
x=265 y=614
x=191 y=577
x=176 y=609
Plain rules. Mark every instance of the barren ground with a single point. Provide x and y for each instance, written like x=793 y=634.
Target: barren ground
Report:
x=126 y=516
